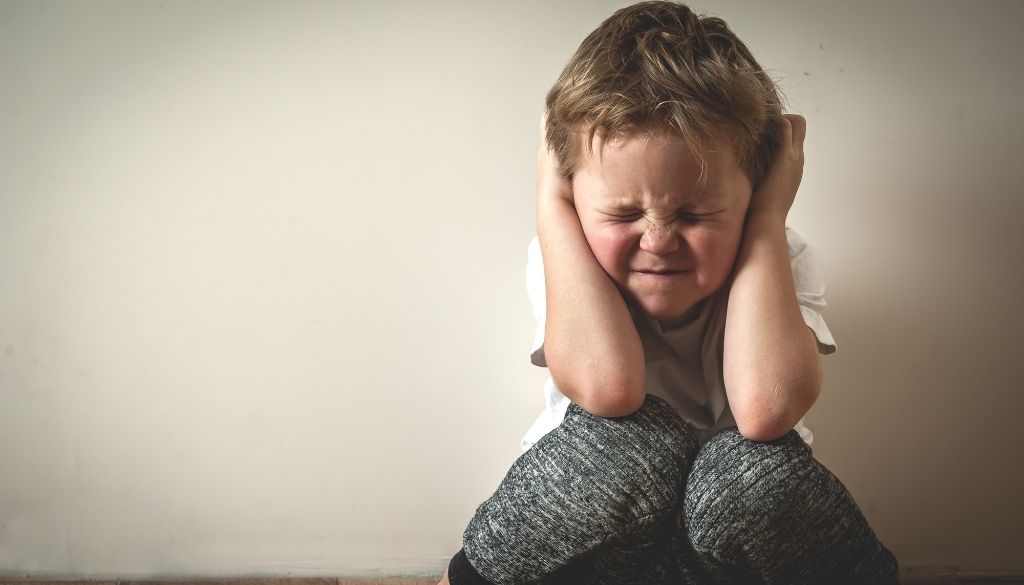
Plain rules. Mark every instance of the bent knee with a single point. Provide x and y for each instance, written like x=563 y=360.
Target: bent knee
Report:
x=654 y=432
x=738 y=487
x=643 y=458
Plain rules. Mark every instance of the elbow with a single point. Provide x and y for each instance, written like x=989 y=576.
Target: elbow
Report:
x=766 y=428
x=768 y=405
x=761 y=432
x=770 y=421
x=607 y=398
x=614 y=404
x=605 y=388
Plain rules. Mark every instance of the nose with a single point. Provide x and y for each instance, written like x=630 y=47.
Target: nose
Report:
x=659 y=239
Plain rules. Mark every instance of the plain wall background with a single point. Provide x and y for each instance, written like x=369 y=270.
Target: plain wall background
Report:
x=262 y=303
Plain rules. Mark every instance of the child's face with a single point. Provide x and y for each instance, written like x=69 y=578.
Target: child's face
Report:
x=666 y=241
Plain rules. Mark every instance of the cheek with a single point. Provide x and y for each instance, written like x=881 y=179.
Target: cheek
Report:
x=714 y=248
x=611 y=245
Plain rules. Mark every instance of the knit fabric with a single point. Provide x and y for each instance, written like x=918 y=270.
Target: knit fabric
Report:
x=768 y=512
x=631 y=499
x=588 y=483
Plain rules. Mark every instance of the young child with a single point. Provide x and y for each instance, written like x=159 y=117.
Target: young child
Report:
x=681 y=323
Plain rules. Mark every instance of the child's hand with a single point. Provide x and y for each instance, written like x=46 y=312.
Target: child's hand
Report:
x=549 y=183
x=777 y=189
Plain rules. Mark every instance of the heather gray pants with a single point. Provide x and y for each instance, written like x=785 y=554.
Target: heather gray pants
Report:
x=632 y=500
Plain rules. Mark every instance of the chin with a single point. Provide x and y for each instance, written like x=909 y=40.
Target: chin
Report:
x=667 y=308
x=664 y=313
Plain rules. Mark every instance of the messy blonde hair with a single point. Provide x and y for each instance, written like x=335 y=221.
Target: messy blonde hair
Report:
x=655 y=67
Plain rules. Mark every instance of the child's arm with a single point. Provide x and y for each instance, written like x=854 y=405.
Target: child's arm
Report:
x=771 y=367
x=591 y=346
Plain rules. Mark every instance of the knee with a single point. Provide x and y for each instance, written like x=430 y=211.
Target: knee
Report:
x=739 y=488
x=643 y=457
x=588 y=482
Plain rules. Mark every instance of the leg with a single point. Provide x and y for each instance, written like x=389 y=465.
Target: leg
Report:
x=579 y=498
x=768 y=512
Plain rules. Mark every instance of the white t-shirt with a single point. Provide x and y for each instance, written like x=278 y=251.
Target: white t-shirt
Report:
x=684 y=365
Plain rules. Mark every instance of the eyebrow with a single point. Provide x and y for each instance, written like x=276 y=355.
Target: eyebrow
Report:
x=704 y=197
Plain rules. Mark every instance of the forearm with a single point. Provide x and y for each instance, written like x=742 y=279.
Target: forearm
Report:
x=590 y=342
x=770 y=364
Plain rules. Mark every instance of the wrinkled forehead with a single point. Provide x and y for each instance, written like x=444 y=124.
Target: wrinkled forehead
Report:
x=658 y=156
x=708 y=152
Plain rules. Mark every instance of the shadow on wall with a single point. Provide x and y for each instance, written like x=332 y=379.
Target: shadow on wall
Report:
x=918 y=414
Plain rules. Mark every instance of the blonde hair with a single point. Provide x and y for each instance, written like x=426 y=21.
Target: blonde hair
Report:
x=657 y=66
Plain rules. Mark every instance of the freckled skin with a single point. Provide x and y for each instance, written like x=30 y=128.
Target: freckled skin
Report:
x=643 y=209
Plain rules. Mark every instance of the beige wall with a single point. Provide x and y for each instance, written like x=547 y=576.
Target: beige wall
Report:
x=262 y=305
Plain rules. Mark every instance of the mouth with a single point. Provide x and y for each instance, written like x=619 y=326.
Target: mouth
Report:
x=664 y=273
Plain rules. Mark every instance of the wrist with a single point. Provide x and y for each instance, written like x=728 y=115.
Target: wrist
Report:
x=767 y=216
x=555 y=191
x=550 y=183
x=555 y=213
x=764 y=229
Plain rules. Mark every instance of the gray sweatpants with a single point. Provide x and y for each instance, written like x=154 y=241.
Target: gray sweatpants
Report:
x=633 y=500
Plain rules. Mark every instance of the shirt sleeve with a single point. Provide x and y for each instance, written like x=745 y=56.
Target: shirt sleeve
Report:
x=535 y=289
x=809 y=280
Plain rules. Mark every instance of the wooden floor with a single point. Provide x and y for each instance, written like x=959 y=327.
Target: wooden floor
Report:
x=246 y=581
x=947 y=580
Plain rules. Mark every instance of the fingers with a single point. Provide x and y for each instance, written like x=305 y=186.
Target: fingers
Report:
x=793 y=129
x=545 y=151
x=542 y=150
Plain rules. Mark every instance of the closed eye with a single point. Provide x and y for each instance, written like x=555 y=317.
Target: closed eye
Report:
x=694 y=216
x=624 y=218
x=682 y=215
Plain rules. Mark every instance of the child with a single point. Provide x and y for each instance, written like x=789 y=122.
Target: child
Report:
x=681 y=323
